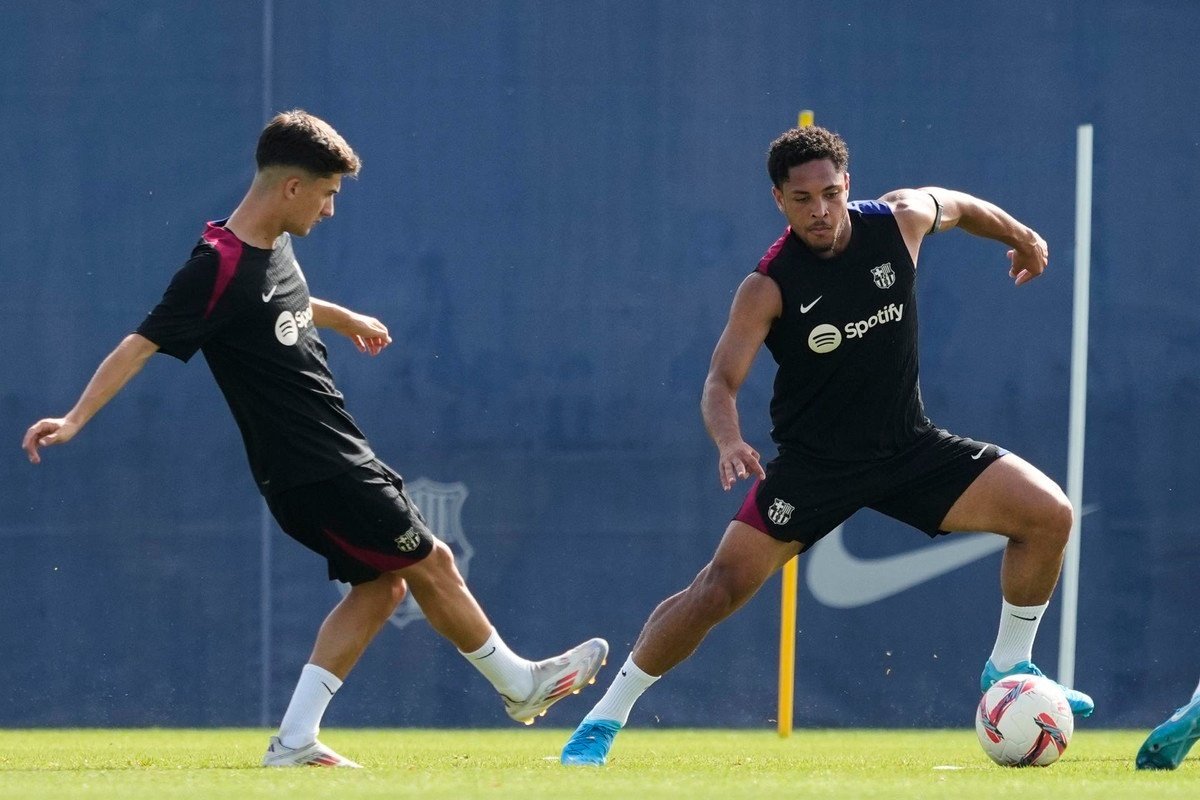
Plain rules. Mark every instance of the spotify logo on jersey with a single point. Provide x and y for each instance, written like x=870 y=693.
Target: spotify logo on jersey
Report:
x=824 y=338
x=286 y=330
x=288 y=325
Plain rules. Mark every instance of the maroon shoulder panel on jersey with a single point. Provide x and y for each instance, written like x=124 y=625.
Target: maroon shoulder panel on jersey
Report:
x=764 y=263
x=229 y=252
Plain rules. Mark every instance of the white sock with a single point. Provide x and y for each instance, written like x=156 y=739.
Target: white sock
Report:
x=1014 y=640
x=302 y=720
x=509 y=673
x=626 y=688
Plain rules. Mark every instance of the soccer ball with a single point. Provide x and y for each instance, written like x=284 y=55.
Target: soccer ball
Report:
x=1024 y=721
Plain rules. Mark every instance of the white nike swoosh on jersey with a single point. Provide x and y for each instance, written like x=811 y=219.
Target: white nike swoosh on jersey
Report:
x=840 y=579
x=268 y=295
x=977 y=455
x=804 y=309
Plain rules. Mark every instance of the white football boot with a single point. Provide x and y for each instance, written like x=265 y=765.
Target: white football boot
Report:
x=555 y=678
x=313 y=755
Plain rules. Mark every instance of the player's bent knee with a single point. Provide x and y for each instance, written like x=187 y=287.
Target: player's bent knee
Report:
x=719 y=591
x=397 y=588
x=1056 y=508
x=1049 y=526
x=440 y=563
x=1061 y=519
x=389 y=590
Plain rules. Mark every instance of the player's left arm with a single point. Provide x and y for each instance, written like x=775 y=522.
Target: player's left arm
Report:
x=930 y=209
x=368 y=334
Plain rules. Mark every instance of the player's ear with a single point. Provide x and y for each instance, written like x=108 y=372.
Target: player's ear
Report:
x=291 y=186
x=778 y=195
x=846 y=179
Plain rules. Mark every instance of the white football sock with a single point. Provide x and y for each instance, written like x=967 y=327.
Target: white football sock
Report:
x=302 y=720
x=509 y=673
x=1014 y=640
x=626 y=688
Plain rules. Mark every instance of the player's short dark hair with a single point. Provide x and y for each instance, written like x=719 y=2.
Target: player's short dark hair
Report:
x=298 y=139
x=801 y=145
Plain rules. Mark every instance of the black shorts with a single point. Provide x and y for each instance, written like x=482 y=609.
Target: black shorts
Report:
x=802 y=499
x=362 y=521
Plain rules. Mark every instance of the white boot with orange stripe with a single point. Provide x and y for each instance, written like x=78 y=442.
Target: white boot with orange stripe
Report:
x=313 y=755
x=555 y=678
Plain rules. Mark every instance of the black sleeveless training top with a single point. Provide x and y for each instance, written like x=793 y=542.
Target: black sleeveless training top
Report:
x=846 y=344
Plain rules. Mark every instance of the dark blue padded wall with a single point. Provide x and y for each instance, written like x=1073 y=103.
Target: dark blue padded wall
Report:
x=557 y=203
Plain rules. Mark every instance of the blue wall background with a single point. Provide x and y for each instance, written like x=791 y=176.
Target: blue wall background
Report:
x=557 y=203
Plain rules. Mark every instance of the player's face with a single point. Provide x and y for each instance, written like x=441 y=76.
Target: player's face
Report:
x=310 y=200
x=813 y=199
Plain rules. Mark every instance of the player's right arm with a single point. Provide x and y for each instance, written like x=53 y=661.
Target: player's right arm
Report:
x=196 y=306
x=757 y=304
x=113 y=373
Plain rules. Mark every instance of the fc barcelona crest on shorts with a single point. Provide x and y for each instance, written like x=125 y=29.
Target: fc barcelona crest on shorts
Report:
x=408 y=541
x=883 y=275
x=780 y=512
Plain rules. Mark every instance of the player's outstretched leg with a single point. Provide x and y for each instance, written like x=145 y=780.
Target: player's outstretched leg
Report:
x=313 y=755
x=527 y=687
x=1169 y=743
x=555 y=678
x=745 y=558
x=1081 y=704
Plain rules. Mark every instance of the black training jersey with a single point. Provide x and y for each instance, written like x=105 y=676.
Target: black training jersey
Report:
x=846 y=343
x=249 y=310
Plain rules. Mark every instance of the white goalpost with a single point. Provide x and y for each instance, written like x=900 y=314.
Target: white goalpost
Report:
x=1078 y=415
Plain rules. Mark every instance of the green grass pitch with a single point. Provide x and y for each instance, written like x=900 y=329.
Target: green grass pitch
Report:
x=520 y=763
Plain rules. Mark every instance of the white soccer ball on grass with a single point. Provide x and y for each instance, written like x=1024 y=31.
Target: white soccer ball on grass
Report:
x=1024 y=721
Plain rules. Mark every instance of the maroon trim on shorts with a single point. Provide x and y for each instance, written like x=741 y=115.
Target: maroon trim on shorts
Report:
x=384 y=562
x=749 y=512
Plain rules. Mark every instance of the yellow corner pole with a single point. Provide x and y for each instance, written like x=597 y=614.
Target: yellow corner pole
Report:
x=787 y=602
x=787 y=647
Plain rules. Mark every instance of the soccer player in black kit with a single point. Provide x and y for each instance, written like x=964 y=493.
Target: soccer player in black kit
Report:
x=243 y=301
x=833 y=300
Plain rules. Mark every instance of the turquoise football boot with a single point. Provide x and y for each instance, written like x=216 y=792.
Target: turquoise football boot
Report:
x=590 y=743
x=1167 y=744
x=1081 y=704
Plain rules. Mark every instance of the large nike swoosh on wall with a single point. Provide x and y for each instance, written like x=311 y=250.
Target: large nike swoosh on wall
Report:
x=840 y=579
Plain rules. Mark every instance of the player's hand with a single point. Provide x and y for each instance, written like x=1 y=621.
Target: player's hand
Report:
x=1028 y=261
x=368 y=334
x=739 y=460
x=46 y=432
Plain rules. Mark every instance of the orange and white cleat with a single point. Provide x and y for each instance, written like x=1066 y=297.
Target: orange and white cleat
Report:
x=313 y=755
x=555 y=678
